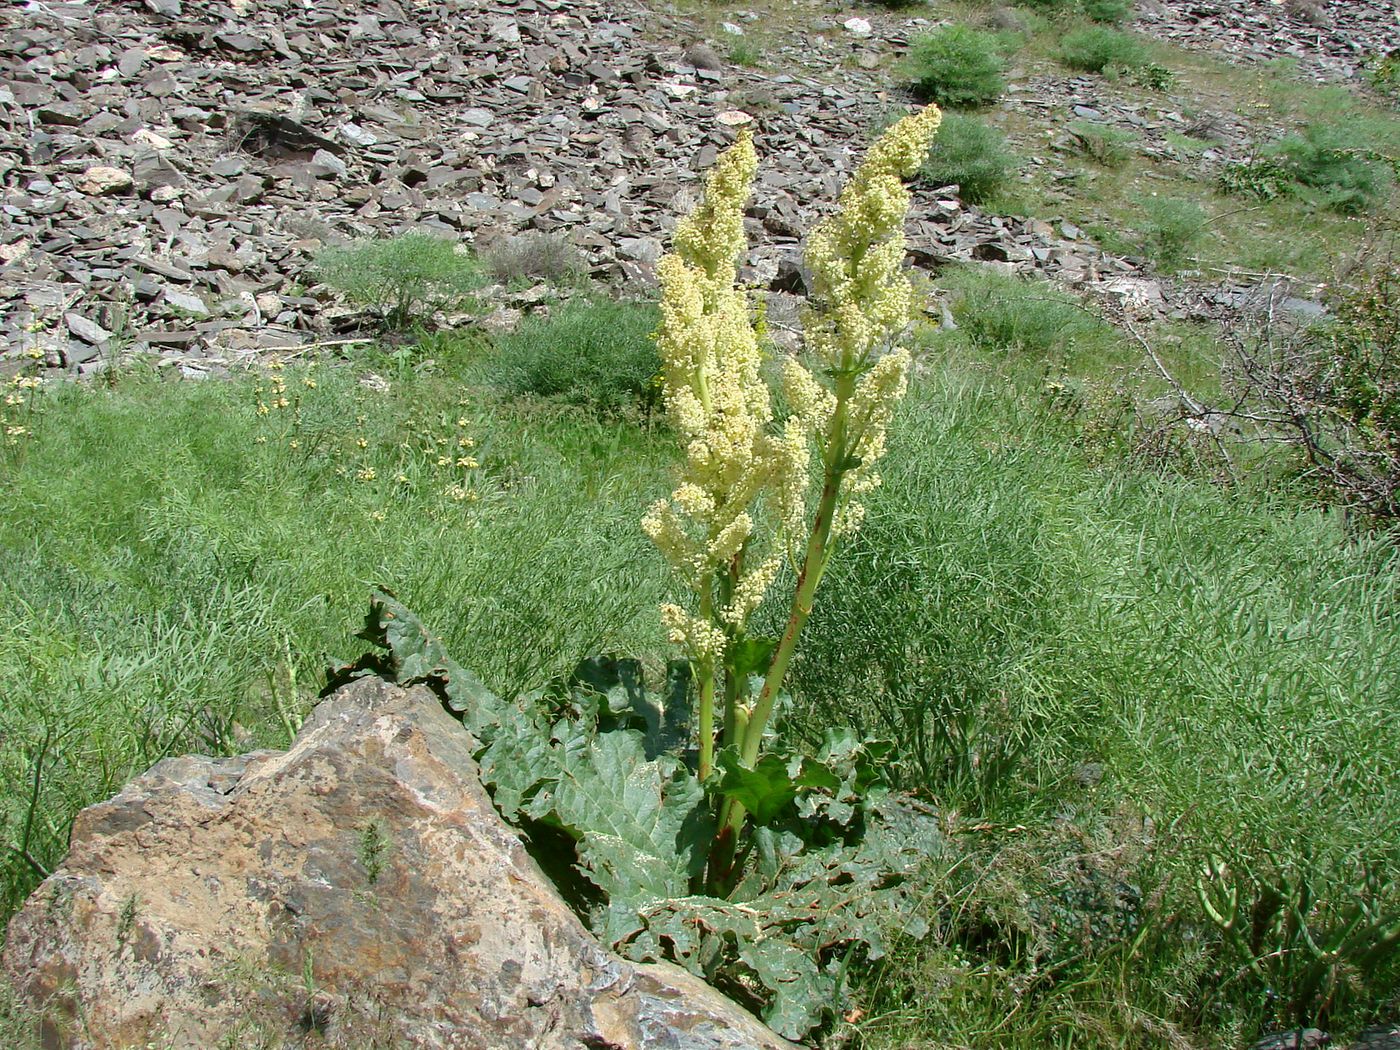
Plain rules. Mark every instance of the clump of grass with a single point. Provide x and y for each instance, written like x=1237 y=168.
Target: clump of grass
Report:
x=1096 y=10
x=972 y=154
x=1002 y=313
x=598 y=355
x=956 y=66
x=1338 y=170
x=1170 y=226
x=401 y=277
x=1112 y=147
x=21 y=1027
x=1328 y=166
x=534 y=255
x=1098 y=49
x=1108 y=11
x=1051 y=7
x=1383 y=71
x=1152 y=77
x=745 y=51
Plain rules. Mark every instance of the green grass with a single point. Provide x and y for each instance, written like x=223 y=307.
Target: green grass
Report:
x=160 y=564
x=1038 y=321
x=1013 y=612
x=1170 y=227
x=972 y=154
x=1112 y=147
x=597 y=356
x=1010 y=615
x=1098 y=49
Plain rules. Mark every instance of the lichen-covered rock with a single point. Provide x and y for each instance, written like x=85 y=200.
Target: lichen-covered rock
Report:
x=356 y=891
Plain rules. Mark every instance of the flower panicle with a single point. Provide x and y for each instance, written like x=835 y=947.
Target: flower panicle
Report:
x=863 y=303
x=855 y=256
x=717 y=400
x=720 y=405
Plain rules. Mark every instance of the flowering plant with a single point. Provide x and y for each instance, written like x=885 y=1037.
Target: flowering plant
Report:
x=828 y=853
x=740 y=469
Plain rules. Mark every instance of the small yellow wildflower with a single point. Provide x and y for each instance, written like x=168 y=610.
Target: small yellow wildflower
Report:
x=365 y=474
x=467 y=462
x=262 y=408
x=376 y=515
x=462 y=421
x=16 y=430
x=261 y=439
x=309 y=383
x=443 y=461
x=465 y=442
x=294 y=444
x=401 y=478
x=362 y=442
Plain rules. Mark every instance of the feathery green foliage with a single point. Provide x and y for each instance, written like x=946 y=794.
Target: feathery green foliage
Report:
x=1098 y=49
x=972 y=154
x=1328 y=165
x=400 y=277
x=596 y=355
x=1170 y=226
x=1112 y=147
x=955 y=66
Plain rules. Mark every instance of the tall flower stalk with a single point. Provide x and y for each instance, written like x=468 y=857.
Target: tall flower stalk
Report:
x=740 y=469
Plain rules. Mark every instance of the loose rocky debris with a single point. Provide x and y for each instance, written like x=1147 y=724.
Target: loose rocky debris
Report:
x=170 y=172
x=1329 y=39
x=1223 y=137
x=360 y=886
x=1382 y=1037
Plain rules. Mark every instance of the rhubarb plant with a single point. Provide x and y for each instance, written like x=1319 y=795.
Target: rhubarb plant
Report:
x=769 y=872
x=742 y=472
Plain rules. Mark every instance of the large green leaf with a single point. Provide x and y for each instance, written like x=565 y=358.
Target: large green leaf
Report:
x=663 y=717
x=642 y=825
x=416 y=655
x=766 y=791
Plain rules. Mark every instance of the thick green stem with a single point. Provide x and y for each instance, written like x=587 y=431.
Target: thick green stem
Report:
x=813 y=568
x=707 y=723
x=728 y=584
x=705 y=671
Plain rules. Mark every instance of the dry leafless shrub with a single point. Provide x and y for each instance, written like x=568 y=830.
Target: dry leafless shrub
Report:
x=533 y=255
